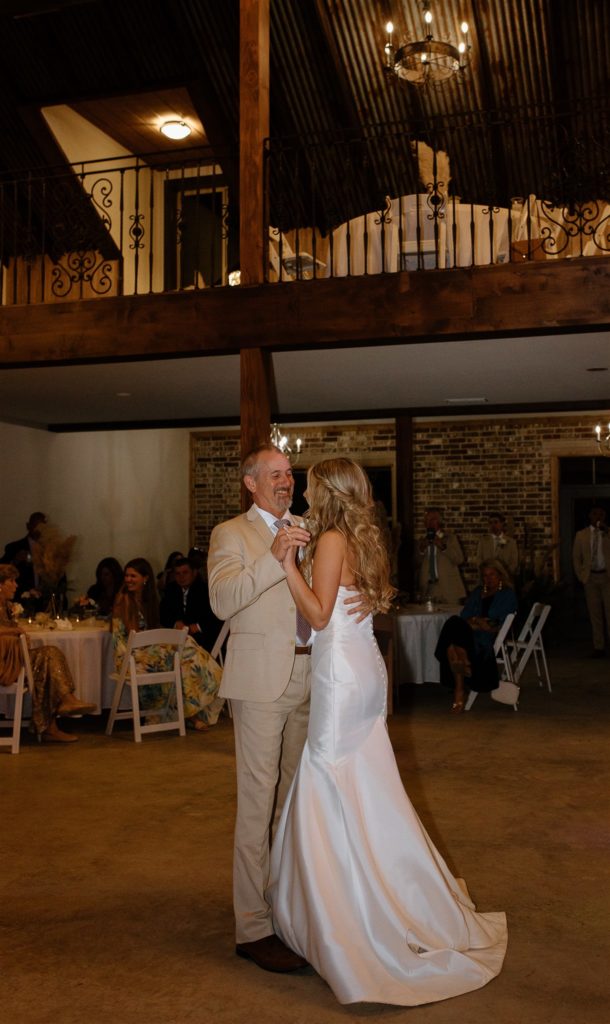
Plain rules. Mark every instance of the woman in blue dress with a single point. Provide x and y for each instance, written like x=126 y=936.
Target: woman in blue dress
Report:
x=465 y=647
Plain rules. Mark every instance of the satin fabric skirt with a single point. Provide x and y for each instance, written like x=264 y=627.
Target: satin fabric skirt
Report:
x=357 y=886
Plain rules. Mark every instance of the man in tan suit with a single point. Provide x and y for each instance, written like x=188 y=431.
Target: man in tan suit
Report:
x=438 y=555
x=591 y=560
x=497 y=544
x=267 y=679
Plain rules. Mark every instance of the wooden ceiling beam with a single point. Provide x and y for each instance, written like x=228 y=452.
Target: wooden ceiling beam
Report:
x=519 y=298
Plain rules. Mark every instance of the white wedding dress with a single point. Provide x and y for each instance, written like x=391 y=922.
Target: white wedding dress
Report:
x=357 y=887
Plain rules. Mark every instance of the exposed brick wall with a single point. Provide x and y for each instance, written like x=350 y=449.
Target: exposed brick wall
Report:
x=215 y=483
x=466 y=467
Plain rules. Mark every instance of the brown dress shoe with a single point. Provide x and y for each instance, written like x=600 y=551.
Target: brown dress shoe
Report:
x=271 y=954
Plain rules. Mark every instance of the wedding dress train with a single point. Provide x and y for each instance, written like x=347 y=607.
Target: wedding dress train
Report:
x=357 y=886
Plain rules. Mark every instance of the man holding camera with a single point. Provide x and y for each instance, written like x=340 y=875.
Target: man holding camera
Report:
x=438 y=555
x=591 y=560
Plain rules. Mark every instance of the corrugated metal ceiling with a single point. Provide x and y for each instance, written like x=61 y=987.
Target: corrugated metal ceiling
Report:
x=327 y=77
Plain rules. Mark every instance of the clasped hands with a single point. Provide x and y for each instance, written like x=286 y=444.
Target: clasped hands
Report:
x=286 y=542
x=284 y=547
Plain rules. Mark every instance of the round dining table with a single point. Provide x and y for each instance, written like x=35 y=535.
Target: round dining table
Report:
x=418 y=628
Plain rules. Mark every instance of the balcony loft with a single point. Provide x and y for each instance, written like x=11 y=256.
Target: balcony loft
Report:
x=137 y=256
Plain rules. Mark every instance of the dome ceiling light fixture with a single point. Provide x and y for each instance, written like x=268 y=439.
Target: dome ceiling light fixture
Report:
x=175 y=130
x=427 y=61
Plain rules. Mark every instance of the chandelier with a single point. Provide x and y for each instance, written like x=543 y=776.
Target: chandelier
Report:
x=603 y=439
x=426 y=61
x=282 y=441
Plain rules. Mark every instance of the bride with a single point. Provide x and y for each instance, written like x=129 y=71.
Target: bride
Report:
x=357 y=887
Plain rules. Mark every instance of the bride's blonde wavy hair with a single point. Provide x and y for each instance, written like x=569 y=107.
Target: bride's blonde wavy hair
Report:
x=340 y=499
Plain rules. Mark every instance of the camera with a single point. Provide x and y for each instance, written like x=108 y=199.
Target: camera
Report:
x=430 y=533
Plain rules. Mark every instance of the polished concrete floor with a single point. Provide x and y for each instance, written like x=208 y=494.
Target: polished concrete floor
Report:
x=116 y=865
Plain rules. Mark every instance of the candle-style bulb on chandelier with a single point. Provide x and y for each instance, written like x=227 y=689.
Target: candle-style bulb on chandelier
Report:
x=282 y=441
x=427 y=61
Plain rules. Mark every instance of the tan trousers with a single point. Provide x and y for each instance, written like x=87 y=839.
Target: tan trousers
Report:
x=597 y=594
x=269 y=739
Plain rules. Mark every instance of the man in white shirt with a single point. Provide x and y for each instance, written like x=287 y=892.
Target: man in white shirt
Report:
x=591 y=560
x=497 y=544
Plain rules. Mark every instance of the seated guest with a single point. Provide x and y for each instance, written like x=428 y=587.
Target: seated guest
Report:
x=186 y=602
x=108 y=579
x=136 y=607
x=167 y=576
x=465 y=645
x=438 y=555
x=497 y=544
x=20 y=554
x=53 y=685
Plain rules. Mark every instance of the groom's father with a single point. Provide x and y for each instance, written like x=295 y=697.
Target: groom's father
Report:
x=267 y=678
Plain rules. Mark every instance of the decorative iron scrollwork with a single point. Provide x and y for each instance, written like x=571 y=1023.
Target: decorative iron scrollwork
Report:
x=78 y=268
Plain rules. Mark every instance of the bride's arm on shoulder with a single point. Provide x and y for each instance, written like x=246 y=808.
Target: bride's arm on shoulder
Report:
x=316 y=603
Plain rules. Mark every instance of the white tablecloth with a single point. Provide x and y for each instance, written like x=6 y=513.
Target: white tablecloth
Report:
x=417 y=633
x=88 y=651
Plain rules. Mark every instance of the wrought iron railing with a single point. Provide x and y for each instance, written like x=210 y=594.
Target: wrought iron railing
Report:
x=115 y=227
x=385 y=200
x=376 y=202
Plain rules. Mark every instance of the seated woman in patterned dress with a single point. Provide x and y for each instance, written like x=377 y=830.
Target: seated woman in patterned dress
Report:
x=53 y=692
x=137 y=607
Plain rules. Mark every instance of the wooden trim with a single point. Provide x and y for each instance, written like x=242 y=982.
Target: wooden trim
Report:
x=253 y=130
x=488 y=302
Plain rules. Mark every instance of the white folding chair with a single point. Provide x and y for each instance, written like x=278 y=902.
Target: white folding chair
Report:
x=530 y=642
x=424 y=238
x=133 y=676
x=18 y=690
x=509 y=694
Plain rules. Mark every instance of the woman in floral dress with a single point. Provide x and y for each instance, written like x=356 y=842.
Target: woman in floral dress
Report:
x=136 y=607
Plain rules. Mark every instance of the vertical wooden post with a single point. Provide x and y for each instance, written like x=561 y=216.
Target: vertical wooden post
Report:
x=253 y=130
x=257 y=402
x=257 y=388
x=404 y=502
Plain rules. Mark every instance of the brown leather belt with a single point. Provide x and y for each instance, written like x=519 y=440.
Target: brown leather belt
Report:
x=302 y=650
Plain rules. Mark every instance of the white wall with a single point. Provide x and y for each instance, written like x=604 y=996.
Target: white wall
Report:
x=123 y=493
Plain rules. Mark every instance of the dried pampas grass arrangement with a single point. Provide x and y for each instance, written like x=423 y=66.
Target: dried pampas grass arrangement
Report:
x=432 y=182
x=51 y=553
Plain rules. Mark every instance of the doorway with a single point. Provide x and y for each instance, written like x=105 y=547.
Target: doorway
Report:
x=196 y=233
x=583 y=482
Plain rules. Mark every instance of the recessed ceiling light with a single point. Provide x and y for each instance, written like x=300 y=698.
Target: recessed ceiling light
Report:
x=175 y=129
x=465 y=401
x=123 y=394
x=597 y=369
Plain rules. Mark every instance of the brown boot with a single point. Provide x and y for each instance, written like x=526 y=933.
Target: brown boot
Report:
x=54 y=735
x=72 y=706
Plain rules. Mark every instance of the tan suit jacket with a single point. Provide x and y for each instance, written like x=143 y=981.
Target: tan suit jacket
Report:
x=449 y=585
x=508 y=553
x=581 y=554
x=248 y=586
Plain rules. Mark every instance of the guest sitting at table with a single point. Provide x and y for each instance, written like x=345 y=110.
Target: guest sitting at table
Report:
x=167 y=576
x=108 y=579
x=465 y=646
x=136 y=607
x=186 y=602
x=53 y=685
